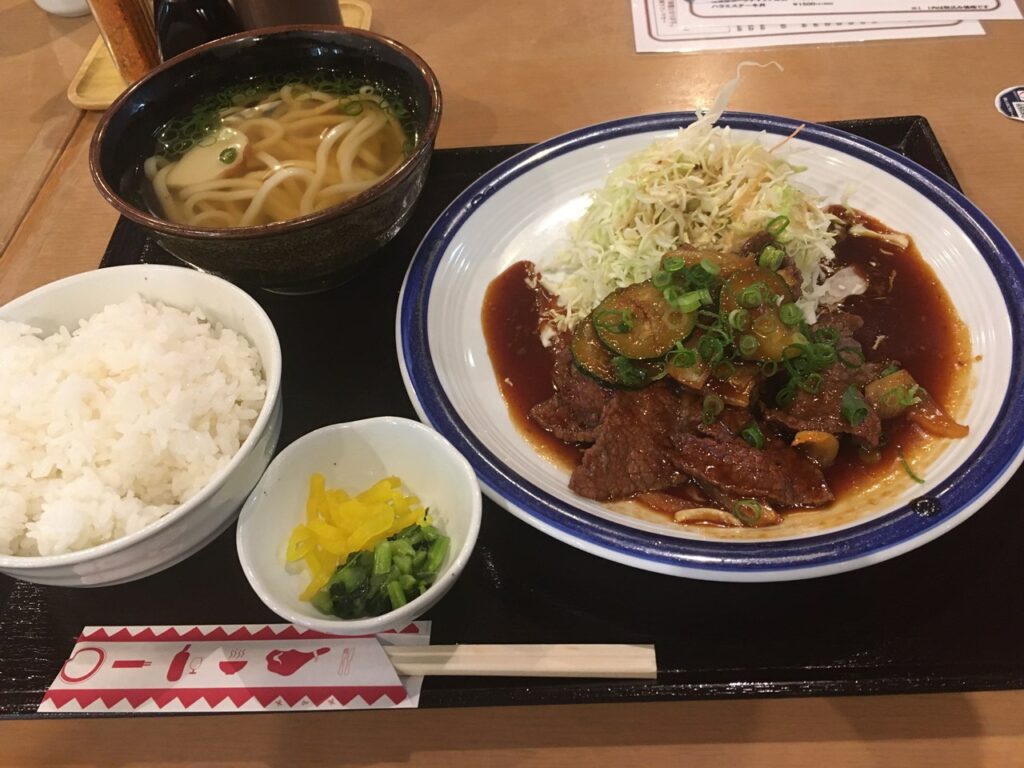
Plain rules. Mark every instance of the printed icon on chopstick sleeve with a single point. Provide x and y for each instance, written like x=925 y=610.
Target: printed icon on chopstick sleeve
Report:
x=130 y=664
x=346 y=662
x=289 y=662
x=232 y=667
x=83 y=664
x=177 y=666
x=235 y=661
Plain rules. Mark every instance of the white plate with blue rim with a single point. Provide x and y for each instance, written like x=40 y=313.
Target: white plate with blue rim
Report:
x=522 y=207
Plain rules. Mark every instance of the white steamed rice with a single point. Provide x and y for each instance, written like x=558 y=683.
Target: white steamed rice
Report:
x=107 y=429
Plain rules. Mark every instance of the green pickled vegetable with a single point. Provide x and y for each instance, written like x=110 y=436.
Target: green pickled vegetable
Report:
x=378 y=580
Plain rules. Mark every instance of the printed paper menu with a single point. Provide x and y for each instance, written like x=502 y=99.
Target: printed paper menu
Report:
x=879 y=11
x=669 y=25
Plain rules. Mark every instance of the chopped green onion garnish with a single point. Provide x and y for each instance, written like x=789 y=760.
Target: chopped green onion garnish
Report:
x=614 y=320
x=811 y=383
x=691 y=301
x=826 y=335
x=769 y=369
x=790 y=314
x=711 y=407
x=710 y=349
x=696 y=277
x=777 y=226
x=747 y=511
x=354 y=107
x=739 y=319
x=785 y=396
x=750 y=297
x=820 y=355
x=682 y=357
x=753 y=435
x=229 y=155
x=709 y=266
x=661 y=279
x=672 y=294
x=854 y=409
x=748 y=345
x=771 y=257
x=672 y=264
x=890 y=371
x=907 y=469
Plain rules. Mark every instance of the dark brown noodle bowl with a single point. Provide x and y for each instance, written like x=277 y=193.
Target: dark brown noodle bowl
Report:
x=301 y=255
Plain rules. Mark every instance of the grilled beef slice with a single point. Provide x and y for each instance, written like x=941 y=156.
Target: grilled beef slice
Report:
x=776 y=473
x=823 y=411
x=632 y=452
x=653 y=439
x=573 y=412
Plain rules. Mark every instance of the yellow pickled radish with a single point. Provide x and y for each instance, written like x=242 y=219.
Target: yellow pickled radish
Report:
x=379 y=491
x=348 y=515
x=335 y=547
x=325 y=531
x=316 y=504
x=381 y=518
x=315 y=563
x=299 y=543
x=338 y=524
x=314 y=586
x=415 y=517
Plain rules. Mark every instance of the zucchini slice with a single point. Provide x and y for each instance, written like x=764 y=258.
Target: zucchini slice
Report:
x=760 y=292
x=596 y=360
x=727 y=263
x=637 y=323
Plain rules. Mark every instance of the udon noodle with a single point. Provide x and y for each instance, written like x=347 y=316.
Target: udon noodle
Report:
x=285 y=153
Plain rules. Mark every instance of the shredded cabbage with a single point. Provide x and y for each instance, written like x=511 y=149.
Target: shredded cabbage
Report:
x=703 y=187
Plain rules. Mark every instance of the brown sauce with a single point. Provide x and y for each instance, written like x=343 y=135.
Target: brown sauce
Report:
x=511 y=317
x=908 y=318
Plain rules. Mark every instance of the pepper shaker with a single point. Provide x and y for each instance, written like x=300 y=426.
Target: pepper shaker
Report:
x=127 y=29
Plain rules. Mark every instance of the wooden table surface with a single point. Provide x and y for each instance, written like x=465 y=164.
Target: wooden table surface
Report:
x=510 y=73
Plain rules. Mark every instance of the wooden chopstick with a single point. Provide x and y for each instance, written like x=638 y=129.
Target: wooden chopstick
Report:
x=620 y=661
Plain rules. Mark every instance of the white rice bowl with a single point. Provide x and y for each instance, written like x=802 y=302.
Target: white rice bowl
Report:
x=106 y=428
x=123 y=497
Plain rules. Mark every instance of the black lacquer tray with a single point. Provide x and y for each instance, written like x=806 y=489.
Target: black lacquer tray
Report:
x=946 y=617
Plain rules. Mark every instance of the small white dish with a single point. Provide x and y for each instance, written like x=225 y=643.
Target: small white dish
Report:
x=353 y=456
x=190 y=527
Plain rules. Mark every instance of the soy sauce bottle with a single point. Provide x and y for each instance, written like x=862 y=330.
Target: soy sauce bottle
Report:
x=184 y=24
